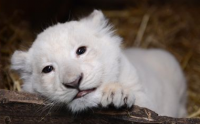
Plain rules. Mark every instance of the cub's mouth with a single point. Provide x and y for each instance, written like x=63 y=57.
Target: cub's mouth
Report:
x=82 y=93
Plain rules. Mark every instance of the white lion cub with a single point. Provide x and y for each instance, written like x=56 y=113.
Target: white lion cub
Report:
x=80 y=63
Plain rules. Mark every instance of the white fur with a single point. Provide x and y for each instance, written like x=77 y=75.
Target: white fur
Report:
x=148 y=78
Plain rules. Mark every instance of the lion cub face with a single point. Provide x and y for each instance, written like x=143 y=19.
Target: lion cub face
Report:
x=68 y=62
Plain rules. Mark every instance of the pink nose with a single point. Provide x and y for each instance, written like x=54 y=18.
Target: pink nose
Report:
x=74 y=84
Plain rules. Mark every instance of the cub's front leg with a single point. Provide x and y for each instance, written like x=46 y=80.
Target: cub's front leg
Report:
x=116 y=94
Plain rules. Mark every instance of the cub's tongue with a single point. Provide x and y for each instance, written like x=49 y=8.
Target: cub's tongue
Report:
x=84 y=92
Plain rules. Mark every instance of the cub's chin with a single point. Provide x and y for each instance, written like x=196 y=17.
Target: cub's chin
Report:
x=84 y=100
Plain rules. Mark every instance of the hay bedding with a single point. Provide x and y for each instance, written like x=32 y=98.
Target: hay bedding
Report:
x=174 y=28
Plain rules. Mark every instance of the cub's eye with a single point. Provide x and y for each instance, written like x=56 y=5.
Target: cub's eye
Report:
x=47 y=69
x=81 y=50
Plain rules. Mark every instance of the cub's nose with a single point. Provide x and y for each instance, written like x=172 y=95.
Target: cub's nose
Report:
x=74 y=84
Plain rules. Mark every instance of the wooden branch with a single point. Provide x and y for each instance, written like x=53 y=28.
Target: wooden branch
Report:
x=18 y=107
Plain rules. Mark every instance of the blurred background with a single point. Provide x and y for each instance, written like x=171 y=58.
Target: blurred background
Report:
x=173 y=25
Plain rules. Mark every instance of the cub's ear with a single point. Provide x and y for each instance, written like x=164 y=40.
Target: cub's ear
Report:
x=95 y=19
x=19 y=61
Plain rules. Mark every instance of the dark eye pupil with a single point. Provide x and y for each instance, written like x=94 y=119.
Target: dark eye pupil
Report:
x=81 y=50
x=47 y=69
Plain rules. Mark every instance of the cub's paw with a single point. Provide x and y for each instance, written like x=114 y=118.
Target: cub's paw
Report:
x=116 y=94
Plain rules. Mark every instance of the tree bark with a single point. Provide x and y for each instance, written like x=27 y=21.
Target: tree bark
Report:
x=22 y=108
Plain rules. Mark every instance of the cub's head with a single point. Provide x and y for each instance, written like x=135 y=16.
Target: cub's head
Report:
x=69 y=62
